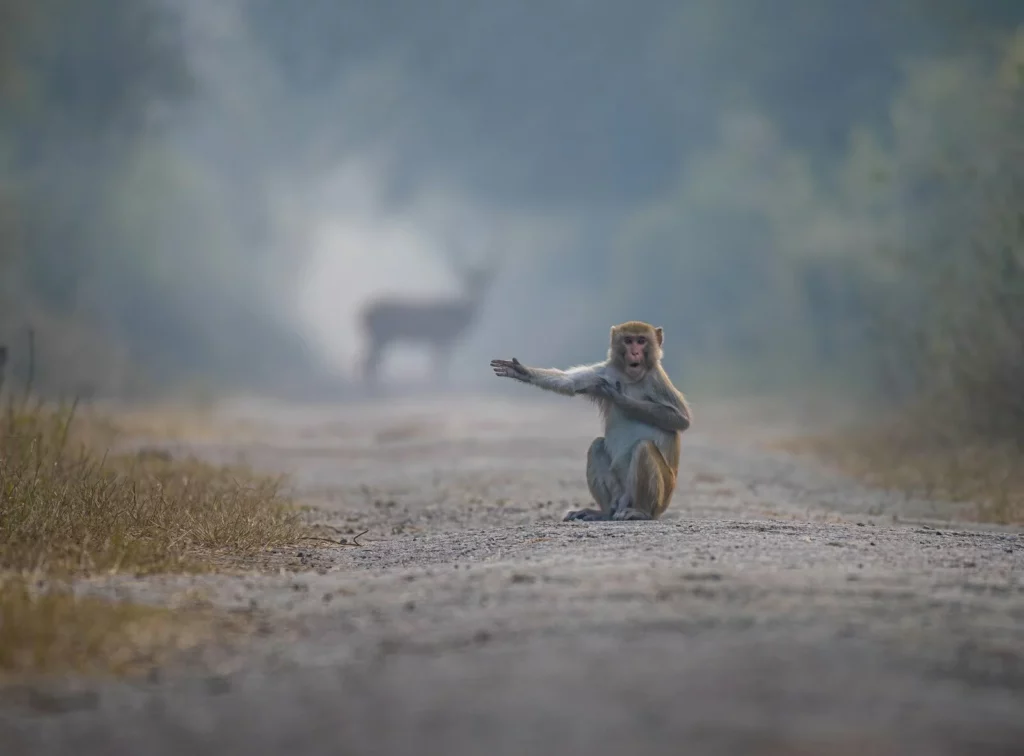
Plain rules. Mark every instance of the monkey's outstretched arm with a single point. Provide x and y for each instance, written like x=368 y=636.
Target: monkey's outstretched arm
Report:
x=577 y=380
x=664 y=416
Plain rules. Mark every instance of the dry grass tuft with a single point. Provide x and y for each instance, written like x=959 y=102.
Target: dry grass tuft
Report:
x=988 y=475
x=54 y=632
x=181 y=421
x=66 y=508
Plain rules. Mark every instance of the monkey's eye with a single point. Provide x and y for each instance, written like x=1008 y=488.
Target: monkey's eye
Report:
x=641 y=340
x=628 y=340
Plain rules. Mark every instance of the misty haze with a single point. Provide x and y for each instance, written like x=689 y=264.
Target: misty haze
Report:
x=262 y=487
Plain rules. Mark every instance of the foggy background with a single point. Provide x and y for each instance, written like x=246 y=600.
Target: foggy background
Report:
x=806 y=194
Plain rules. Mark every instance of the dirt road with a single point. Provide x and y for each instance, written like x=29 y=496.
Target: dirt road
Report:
x=776 y=609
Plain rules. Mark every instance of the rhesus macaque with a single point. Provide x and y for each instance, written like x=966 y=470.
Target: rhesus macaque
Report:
x=631 y=470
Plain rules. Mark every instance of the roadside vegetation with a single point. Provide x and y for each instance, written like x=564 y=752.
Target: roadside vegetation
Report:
x=69 y=509
x=984 y=476
x=941 y=347
x=853 y=229
x=50 y=631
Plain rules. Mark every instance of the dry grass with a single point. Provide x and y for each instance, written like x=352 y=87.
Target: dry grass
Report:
x=53 y=632
x=67 y=508
x=985 y=474
x=101 y=423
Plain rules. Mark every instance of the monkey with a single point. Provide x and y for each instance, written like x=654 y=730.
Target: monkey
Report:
x=632 y=468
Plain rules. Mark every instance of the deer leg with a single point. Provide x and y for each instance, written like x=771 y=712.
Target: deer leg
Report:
x=442 y=363
x=371 y=364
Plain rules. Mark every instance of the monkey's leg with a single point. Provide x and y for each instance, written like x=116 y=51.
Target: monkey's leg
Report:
x=649 y=485
x=622 y=470
x=602 y=484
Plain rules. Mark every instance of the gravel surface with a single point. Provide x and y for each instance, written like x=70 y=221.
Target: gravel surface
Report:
x=777 y=608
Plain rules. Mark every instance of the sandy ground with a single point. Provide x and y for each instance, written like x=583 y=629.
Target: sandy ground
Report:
x=776 y=609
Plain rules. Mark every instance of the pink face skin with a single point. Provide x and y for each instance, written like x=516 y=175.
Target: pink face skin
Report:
x=636 y=364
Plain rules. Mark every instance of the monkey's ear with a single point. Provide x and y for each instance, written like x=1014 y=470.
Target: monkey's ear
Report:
x=659 y=334
x=615 y=331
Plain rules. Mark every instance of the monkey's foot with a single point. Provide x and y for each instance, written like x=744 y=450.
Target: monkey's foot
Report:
x=623 y=503
x=585 y=515
x=631 y=514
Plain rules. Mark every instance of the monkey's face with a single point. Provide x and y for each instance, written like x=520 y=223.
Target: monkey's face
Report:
x=635 y=354
x=635 y=348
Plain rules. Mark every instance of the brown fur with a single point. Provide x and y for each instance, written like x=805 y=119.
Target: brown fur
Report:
x=631 y=470
x=653 y=354
x=654 y=463
x=655 y=480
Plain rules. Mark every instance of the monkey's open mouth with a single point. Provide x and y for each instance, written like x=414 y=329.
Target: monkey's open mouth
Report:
x=634 y=364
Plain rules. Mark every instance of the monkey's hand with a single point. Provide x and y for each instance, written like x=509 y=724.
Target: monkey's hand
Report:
x=511 y=369
x=607 y=389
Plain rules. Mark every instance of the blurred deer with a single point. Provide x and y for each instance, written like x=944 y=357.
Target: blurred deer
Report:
x=439 y=323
